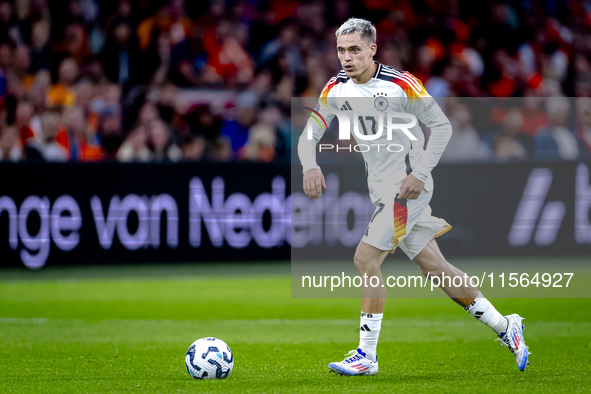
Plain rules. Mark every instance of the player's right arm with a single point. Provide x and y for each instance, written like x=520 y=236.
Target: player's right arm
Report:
x=318 y=122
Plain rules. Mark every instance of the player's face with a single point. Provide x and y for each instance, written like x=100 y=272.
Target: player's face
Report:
x=355 y=54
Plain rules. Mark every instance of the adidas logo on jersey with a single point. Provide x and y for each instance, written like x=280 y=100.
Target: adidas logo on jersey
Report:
x=346 y=106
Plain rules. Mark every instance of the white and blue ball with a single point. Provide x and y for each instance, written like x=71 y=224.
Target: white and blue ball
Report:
x=209 y=358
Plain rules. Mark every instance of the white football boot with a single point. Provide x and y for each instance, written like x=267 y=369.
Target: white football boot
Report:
x=513 y=339
x=354 y=364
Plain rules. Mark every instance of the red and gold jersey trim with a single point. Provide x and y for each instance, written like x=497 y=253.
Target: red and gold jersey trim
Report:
x=339 y=78
x=412 y=86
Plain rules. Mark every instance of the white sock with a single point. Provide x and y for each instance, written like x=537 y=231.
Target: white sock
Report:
x=369 y=332
x=483 y=310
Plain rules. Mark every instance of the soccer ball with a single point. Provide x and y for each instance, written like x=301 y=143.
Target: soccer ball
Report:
x=209 y=358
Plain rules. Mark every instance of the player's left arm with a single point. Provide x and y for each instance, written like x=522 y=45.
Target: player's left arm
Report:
x=426 y=109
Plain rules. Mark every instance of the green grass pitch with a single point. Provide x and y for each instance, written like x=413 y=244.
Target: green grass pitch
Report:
x=126 y=329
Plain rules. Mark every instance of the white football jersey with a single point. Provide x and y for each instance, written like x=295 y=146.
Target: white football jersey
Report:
x=389 y=156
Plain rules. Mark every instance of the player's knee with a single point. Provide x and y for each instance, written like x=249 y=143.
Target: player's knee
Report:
x=363 y=264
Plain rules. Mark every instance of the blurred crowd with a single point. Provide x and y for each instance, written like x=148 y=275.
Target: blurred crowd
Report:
x=150 y=80
x=517 y=129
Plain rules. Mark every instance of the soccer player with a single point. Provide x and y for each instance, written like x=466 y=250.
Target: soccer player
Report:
x=400 y=185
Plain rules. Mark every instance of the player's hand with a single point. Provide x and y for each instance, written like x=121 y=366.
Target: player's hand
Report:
x=411 y=188
x=313 y=183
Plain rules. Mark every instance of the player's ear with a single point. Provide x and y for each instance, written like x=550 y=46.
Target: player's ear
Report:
x=373 y=49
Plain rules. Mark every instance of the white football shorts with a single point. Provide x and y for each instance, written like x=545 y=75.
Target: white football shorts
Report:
x=405 y=223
